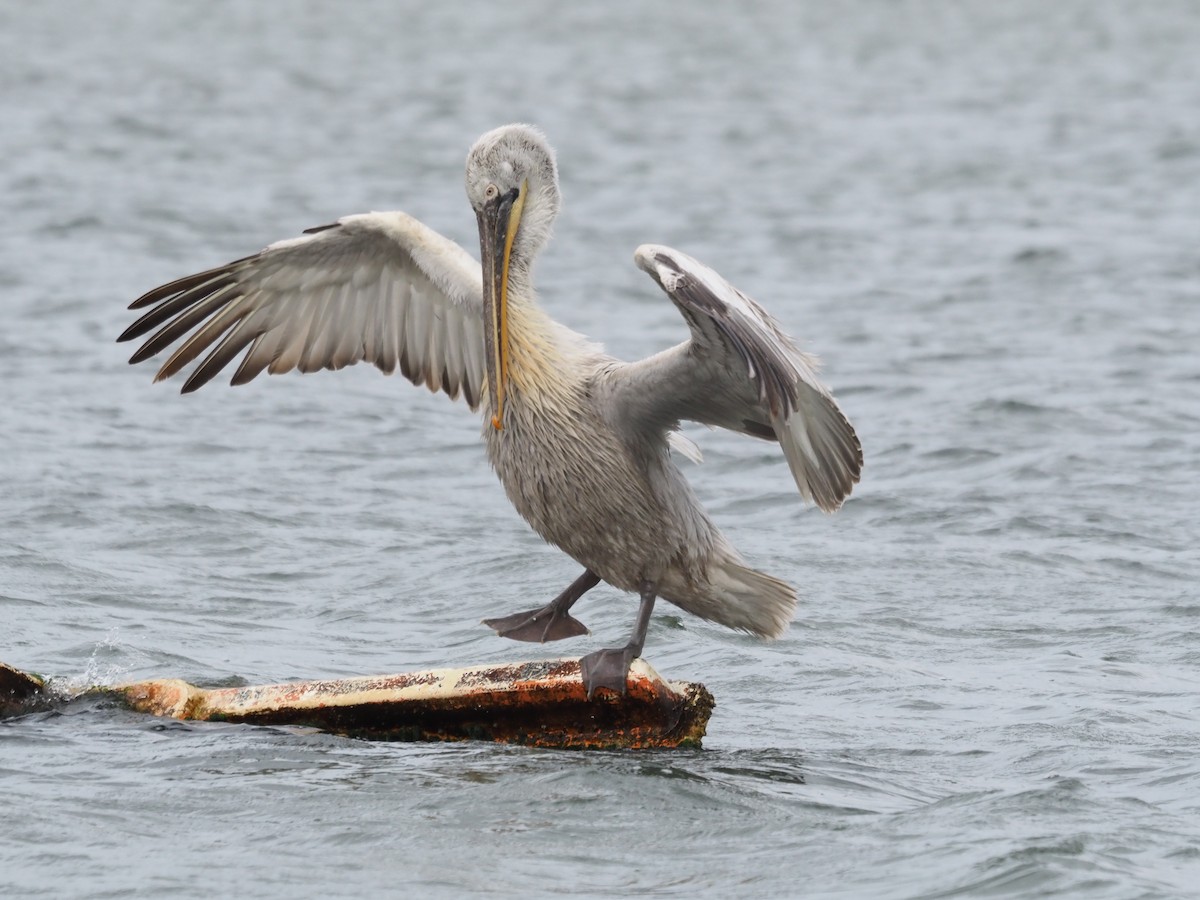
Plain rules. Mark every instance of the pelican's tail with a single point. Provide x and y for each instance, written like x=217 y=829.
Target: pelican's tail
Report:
x=738 y=598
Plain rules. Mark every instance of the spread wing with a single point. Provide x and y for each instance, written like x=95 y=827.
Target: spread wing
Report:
x=740 y=371
x=379 y=287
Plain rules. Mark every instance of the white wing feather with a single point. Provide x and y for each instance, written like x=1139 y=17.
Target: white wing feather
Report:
x=380 y=287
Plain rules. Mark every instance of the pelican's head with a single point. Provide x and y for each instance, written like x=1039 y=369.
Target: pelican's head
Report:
x=516 y=158
x=512 y=183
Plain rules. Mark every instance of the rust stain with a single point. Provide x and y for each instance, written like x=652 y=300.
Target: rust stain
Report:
x=169 y=697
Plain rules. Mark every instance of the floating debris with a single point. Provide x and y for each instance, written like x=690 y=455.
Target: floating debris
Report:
x=539 y=703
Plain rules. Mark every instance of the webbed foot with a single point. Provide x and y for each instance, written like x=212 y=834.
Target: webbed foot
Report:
x=538 y=625
x=552 y=622
x=607 y=669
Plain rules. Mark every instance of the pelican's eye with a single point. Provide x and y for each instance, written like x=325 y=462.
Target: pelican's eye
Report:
x=492 y=192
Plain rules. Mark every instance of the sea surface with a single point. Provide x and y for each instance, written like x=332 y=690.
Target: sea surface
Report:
x=984 y=217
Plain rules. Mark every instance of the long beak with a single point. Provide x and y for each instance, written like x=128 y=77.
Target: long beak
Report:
x=498 y=223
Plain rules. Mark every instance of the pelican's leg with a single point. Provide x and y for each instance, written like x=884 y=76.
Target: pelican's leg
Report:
x=609 y=668
x=552 y=622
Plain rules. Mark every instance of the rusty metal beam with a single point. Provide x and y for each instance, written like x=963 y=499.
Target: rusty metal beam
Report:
x=540 y=703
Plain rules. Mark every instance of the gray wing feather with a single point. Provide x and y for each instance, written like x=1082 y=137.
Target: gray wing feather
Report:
x=740 y=371
x=379 y=287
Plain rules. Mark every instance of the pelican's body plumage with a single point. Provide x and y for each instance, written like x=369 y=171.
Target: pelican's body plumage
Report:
x=581 y=441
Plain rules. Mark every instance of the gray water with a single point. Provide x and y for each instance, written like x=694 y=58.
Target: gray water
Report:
x=985 y=217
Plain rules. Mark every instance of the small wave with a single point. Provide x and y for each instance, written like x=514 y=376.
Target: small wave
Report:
x=1013 y=407
x=1039 y=256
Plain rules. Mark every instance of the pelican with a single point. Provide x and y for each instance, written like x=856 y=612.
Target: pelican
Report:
x=580 y=440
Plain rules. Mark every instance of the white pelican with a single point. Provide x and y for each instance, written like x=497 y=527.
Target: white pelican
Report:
x=580 y=440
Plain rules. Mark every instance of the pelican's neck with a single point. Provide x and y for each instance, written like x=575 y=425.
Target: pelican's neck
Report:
x=520 y=278
x=546 y=360
x=546 y=363
x=534 y=352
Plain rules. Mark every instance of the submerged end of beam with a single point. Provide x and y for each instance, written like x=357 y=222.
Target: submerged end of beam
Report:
x=21 y=692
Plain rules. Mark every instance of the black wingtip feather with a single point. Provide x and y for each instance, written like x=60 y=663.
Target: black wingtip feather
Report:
x=170 y=305
x=317 y=229
x=179 y=285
